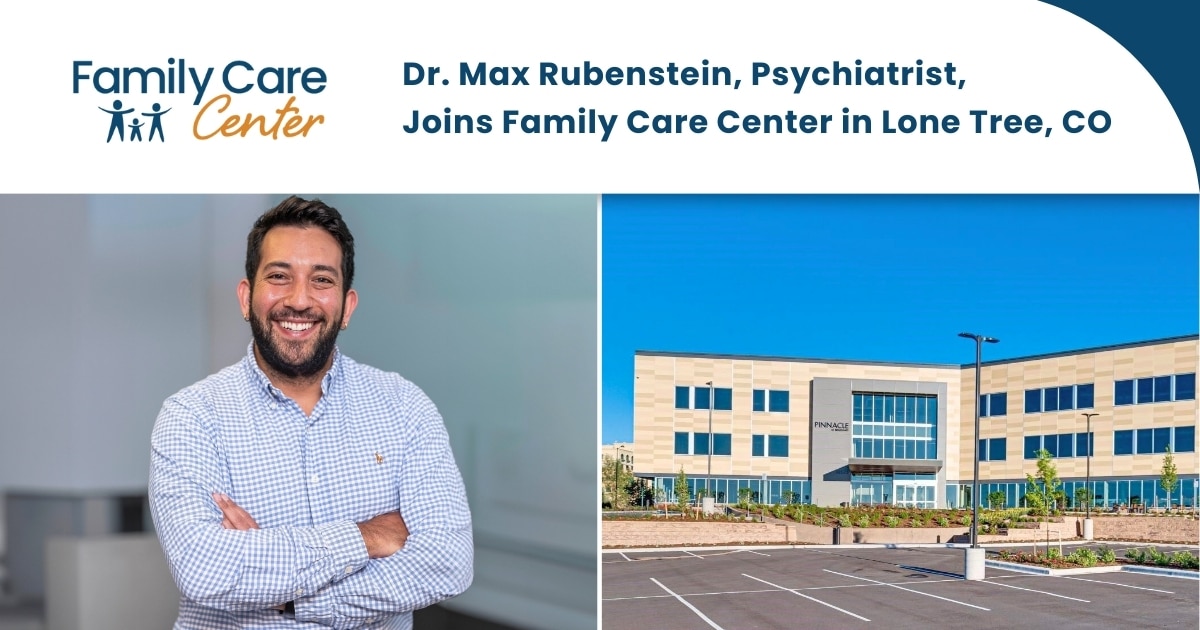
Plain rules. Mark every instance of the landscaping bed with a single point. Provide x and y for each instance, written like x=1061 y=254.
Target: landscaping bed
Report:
x=1085 y=557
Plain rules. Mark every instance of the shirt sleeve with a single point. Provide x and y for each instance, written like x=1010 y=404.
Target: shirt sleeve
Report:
x=437 y=560
x=229 y=569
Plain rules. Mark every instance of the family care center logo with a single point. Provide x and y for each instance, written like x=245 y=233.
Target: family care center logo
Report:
x=154 y=91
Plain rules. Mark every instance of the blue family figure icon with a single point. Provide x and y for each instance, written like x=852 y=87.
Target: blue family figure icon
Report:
x=135 y=130
x=118 y=120
x=156 y=121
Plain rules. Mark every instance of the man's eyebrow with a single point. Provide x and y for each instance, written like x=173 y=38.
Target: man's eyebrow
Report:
x=279 y=264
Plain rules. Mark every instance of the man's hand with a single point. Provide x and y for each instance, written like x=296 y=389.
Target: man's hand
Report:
x=385 y=534
x=235 y=516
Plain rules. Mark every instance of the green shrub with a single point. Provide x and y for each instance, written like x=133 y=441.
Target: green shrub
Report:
x=844 y=520
x=819 y=519
x=1184 y=560
x=916 y=522
x=943 y=522
x=1053 y=552
x=1159 y=558
x=965 y=519
x=864 y=521
x=1084 y=557
x=892 y=521
x=1136 y=555
x=1107 y=556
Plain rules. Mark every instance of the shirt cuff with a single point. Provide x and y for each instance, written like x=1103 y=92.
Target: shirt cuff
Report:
x=346 y=555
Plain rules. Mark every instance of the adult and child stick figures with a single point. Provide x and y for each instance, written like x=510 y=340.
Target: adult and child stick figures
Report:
x=135 y=128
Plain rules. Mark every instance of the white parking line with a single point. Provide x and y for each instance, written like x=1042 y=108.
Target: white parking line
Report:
x=795 y=592
x=685 y=603
x=1140 y=588
x=692 y=554
x=761 y=554
x=953 y=601
x=626 y=558
x=1035 y=591
x=616 y=599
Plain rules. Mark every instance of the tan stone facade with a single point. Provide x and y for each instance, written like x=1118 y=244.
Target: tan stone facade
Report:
x=657 y=420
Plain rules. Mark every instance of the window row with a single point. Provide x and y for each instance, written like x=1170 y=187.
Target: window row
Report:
x=895 y=408
x=730 y=490
x=1060 y=445
x=1156 y=440
x=993 y=405
x=883 y=429
x=1104 y=494
x=993 y=449
x=1062 y=398
x=721 y=398
x=868 y=448
x=689 y=443
x=1155 y=389
x=777 y=445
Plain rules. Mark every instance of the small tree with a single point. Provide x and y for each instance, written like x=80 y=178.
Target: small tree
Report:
x=997 y=499
x=1168 y=479
x=615 y=480
x=1042 y=490
x=1083 y=496
x=682 y=496
x=789 y=497
x=744 y=495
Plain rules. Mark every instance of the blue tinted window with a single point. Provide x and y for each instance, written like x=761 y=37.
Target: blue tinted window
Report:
x=910 y=409
x=1162 y=388
x=682 y=394
x=1185 y=440
x=889 y=409
x=681 y=443
x=877 y=408
x=1066 y=397
x=1123 y=443
x=1066 y=445
x=700 y=444
x=701 y=398
x=1162 y=438
x=1033 y=443
x=997 y=449
x=756 y=445
x=777 y=445
x=723 y=399
x=1123 y=393
x=722 y=444
x=1081 y=445
x=1050 y=400
x=760 y=402
x=1145 y=441
x=1085 y=396
x=1185 y=387
x=1050 y=443
x=998 y=405
x=1145 y=390
x=983 y=405
x=1033 y=401
x=982 y=453
x=779 y=400
x=933 y=410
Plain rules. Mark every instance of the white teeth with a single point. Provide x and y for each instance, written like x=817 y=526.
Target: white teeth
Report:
x=295 y=326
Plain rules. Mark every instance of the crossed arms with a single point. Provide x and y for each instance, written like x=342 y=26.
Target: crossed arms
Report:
x=341 y=574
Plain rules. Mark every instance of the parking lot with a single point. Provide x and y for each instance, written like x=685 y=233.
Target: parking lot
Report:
x=904 y=587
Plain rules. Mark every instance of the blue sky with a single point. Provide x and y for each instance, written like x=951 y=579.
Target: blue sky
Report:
x=889 y=277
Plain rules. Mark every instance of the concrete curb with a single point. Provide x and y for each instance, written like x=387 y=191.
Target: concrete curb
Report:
x=1025 y=568
x=1176 y=573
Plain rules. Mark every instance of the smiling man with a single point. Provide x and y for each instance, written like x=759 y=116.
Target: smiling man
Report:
x=299 y=488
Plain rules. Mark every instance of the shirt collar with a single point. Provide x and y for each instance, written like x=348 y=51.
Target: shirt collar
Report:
x=260 y=380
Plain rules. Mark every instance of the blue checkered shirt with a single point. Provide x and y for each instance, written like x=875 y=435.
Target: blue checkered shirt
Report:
x=373 y=444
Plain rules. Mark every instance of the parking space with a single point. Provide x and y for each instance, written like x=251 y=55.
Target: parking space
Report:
x=903 y=587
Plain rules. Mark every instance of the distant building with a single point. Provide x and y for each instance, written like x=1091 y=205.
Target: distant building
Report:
x=620 y=451
x=835 y=431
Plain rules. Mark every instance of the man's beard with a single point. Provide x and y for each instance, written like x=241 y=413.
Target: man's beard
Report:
x=276 y=351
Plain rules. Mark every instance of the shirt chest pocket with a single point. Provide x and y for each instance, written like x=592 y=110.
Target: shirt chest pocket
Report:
x=363 y=484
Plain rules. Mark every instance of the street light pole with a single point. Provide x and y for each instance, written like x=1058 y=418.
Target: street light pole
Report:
x=708 y=480
x=979 y=339
x=1087 y=519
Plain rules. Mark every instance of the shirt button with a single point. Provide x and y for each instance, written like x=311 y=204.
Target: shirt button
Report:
x=299 y=592
x=349 y=569
x=314 y=479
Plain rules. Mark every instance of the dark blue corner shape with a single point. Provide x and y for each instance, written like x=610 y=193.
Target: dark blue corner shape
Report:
x=1162 y=35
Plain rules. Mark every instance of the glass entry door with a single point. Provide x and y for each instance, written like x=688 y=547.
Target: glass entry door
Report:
x=918 y=494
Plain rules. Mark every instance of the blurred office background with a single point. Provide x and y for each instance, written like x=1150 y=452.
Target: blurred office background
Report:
x=113 y=303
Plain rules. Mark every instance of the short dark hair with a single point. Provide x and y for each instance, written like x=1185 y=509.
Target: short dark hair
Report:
x=297 y=211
